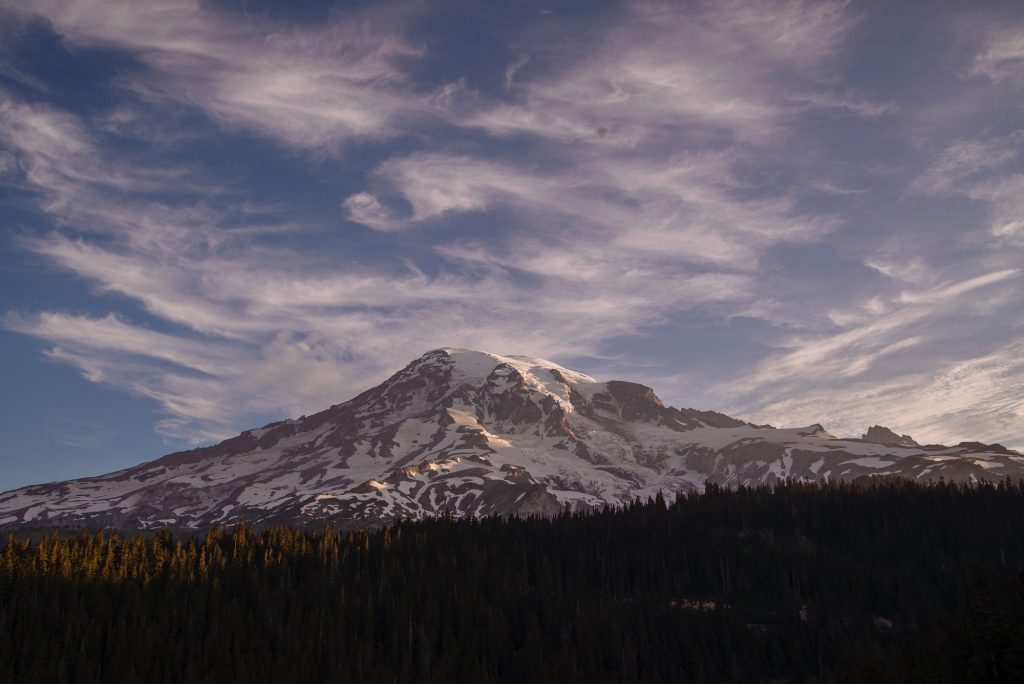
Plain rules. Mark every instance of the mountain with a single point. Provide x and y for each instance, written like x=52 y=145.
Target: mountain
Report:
x=879 y=434
x=474 y=433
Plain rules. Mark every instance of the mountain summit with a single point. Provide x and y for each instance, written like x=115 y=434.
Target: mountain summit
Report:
x=883 y=435
x=473 y=433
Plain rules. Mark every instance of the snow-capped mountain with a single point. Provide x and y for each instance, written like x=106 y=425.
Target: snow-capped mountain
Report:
x=474 y=433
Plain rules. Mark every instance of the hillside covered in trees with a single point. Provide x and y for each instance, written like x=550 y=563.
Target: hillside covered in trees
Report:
x=889 y=581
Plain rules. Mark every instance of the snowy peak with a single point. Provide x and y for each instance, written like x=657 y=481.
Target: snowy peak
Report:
x=475 y=368
x=476 y=433
x=478 y=364
x=482 y=375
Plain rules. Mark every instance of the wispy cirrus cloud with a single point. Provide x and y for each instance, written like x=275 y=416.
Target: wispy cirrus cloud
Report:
x=886 y=350
x=685 y=72
x=1001 y=57
x=304 y=86
x=59 y=155
x=942 y=405
x=967 y=160
x=688 y=209
x=112 y=334
x=847 y=104
x=983 y=170
x=833 y=354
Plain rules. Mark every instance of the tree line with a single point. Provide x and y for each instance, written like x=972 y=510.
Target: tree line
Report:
x=838 y=582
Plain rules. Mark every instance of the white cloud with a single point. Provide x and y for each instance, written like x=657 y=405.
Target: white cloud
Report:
x=824 y=356
x=1002 y=57
x=438 y=184
x=847 y=104
x=305 y=87
x=913 y=270
x=860 y=314
x=966 y=160
x=687 y=209
x=665 y=70
x=59 y=155
x=513 y=68
x=365 y=208
x=1005 y=196
x=113 y=335
x=982 y=170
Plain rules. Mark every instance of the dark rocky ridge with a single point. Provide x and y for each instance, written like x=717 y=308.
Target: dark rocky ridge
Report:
x=880 y=434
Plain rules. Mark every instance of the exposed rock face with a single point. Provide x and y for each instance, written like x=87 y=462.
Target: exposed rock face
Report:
x=880 y=434
x=472 y=433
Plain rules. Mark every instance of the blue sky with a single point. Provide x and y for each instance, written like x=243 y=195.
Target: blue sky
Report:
x=219 y=214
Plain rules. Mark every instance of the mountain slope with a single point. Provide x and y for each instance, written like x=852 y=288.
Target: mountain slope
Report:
x=478 y=434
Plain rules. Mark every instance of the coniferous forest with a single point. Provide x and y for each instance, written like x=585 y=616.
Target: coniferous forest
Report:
x=887 y=581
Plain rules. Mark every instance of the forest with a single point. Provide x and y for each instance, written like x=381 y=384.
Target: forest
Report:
x=883 y=581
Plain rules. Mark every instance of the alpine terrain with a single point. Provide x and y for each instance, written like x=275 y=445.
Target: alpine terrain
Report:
x=473 y=433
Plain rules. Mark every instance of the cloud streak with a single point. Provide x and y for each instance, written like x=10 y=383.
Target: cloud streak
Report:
x=882 y=358
x=309 y=87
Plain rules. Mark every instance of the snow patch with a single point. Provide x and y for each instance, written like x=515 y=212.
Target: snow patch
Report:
x=869 y=462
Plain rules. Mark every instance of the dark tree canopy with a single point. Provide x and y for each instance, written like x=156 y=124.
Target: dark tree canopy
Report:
x=888 y=581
